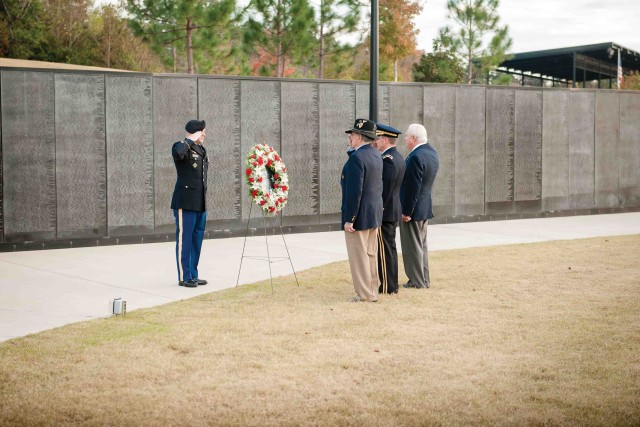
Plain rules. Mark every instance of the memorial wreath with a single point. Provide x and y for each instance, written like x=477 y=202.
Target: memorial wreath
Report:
x=267 y=178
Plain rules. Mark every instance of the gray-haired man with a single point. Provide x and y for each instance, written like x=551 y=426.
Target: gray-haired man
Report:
x=415 y=196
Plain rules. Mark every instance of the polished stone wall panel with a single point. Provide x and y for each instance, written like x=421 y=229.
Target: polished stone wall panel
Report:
x=174 y=104
x=500 y=149
x=581 y=150
x=629 y=149
x=362 y=102
x=406 y=108
x=555 y=150
x=80 y=155
x=130 y=208
x=528 y=148
x=439 y=118
x=1 y=168
x=607 y=135
x=259 y=124
x=500 y=137
x=219 y=107
x=470 y=150
x=301 y=146
x=28 y=155
x=337 y=114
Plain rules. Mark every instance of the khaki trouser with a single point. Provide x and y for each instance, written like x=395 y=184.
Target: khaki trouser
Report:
x=362 y=248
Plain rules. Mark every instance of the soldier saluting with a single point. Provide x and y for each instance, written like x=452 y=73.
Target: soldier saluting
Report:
x=189 y=202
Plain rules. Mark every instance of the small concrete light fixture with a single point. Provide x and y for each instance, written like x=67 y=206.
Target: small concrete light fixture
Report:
x=118 y=306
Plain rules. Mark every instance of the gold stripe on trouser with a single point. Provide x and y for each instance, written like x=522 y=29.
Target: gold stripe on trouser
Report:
x=383 y=261
x=180 y=272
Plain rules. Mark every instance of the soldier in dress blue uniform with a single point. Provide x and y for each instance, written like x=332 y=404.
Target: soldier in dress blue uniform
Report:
x=393 y=167
x=189 y=202
x=417 y=210
x=361 y=183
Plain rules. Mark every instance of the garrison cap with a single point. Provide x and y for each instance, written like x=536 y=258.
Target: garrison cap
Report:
x=364 y=127
x=194 y=126
x=384 y=130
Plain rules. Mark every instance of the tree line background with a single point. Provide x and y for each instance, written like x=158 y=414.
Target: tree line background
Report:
x=326 y=39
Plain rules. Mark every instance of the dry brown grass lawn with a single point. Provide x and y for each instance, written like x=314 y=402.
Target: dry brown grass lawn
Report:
x=540 y=334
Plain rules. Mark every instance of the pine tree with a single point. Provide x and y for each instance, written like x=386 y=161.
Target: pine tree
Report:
x=335 y=18
x=187 y=25
x=476 y=19
x=282 y=29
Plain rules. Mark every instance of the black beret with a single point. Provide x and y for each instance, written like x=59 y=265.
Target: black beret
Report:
x=194 y=126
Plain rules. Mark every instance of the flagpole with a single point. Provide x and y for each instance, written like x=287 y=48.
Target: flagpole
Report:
x=373 y=63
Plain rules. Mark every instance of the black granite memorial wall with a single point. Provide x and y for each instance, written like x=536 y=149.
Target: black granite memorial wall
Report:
x=85 y=157
x=629 y=187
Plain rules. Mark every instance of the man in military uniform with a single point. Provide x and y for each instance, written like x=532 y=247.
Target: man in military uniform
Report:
x=393 y=167
x=189 y=202
x=361 y=183
x=417 y=208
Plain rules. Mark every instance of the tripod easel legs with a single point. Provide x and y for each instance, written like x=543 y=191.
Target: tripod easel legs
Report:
x=268 y=259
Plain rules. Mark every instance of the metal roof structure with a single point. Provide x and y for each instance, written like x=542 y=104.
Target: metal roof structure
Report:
x=574 y=64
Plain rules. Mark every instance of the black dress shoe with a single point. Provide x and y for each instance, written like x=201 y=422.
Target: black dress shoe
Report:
x=410 y=285
x=189 y=284
x=201 y=282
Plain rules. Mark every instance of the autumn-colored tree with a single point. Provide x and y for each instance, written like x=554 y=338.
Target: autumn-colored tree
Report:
x=282 y=28
x=262 y=63
x=475 y=20
x=68 y=23
x=23 y=30
x=118 y=46
x=397 y=31
x=630 y=81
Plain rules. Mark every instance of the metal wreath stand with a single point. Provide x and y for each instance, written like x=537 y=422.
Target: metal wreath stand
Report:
x=269 y=258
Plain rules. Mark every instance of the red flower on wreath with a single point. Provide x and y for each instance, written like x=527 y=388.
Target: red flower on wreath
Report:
x=265 y=165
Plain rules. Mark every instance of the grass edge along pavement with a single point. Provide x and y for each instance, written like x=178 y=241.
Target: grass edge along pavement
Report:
x=529 y=334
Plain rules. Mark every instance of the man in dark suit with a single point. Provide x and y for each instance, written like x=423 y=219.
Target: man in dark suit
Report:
x=415 y=195
x=392 y=175
x=361 y=183
x=189 y=202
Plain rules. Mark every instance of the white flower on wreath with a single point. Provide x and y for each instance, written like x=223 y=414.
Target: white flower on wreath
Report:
x=267 y=179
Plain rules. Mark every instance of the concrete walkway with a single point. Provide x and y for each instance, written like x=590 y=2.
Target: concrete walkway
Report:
x=41 y=290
